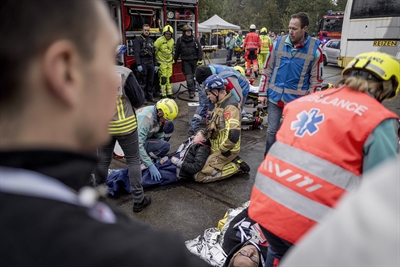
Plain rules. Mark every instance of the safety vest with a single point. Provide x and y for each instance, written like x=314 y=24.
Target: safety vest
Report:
x=124 y=120
x=317 y=158
x=291 y=74
x=265 y=43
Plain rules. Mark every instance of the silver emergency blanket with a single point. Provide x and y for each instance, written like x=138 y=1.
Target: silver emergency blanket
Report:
x=209 y=246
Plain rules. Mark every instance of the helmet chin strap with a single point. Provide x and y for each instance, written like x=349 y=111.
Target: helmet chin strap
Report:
x=216 y=96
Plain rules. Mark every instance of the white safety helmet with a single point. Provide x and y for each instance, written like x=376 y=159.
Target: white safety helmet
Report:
x=252 y=27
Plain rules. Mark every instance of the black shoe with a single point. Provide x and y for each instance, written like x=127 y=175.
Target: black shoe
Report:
x=163 y=96
x=191 y=95
x=244 y=167
x=138 y=207
x=151 y=100
x=171 y=96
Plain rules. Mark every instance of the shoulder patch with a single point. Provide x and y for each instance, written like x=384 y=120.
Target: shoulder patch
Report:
x=227 y=115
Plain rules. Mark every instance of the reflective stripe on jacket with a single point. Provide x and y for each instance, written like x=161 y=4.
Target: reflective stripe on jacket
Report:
x=317 y=158
x=124 y=120
x=291 y=75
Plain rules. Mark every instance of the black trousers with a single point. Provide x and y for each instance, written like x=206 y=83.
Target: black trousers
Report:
x=189 y=69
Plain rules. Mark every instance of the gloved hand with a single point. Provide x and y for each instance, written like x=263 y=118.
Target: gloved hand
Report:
x=199 y=62
x=263 y=100
x=154 y=173
x=140 y=68
x=155 y=69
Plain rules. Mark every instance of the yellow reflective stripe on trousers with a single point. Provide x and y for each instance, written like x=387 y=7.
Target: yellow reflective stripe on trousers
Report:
x=316 y=166
x=290 y=199
x=123 y=126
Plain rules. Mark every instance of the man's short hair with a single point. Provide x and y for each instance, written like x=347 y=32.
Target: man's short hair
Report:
x=303 y=17
x=30 y=27
x=145 y=25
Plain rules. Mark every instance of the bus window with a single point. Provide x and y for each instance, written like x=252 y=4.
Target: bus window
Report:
x=373 y=9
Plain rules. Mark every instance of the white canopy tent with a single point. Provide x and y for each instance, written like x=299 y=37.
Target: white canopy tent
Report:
x=216 y=23
x=202 y=28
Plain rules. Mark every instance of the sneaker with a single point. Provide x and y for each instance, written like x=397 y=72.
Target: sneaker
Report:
x=138 y=207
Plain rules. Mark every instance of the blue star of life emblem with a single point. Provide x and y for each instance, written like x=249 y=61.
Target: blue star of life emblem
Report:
x=307 y=122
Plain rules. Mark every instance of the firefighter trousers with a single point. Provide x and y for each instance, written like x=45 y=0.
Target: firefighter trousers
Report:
x=217 y=168
x=165 y=75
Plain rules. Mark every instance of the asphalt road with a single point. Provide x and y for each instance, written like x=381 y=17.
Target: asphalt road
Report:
x=190 y=208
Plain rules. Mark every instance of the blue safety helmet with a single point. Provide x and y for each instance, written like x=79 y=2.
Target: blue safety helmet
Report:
x=213 y=82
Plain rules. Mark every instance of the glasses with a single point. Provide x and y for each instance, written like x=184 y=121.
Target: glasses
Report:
x=253 y=258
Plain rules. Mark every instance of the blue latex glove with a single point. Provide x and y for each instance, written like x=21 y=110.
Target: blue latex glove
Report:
x=154 y=173
x=140 y=68
x=155 y=69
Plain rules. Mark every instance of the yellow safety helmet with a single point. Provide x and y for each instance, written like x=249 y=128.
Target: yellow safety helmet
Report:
x=264 y=30
x=239 y=69
x=166 y=29
x=168 y=107
x=382 y=66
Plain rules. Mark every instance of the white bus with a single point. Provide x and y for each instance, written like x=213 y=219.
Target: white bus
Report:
x=370 y=25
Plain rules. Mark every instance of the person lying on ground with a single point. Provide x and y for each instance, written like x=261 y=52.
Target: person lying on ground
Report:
x=185 y=163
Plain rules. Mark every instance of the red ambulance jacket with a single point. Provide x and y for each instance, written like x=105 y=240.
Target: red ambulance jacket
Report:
x=317 y=157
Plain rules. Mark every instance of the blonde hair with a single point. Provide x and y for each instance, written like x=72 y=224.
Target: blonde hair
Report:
x=356 y=83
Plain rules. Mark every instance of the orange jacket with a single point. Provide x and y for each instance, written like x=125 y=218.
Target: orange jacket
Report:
x=317 y=158
x=252 y=40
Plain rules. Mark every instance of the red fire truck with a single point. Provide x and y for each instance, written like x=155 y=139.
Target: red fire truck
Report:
x=130 y=15
x=330 y=26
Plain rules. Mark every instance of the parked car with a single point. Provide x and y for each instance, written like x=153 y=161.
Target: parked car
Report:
x=331 y=51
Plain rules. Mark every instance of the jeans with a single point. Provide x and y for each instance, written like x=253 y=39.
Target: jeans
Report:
x=229 y=53
x=130 y=145
x=158 y=148
x=274 y=122
x=201 y=111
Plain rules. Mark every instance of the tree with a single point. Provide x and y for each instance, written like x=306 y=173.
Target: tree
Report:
x=273 y=14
